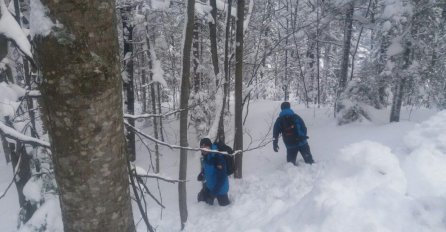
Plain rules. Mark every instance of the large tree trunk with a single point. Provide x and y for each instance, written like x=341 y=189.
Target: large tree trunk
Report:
x=82 y=100
x=238 y=136
x=185 y=85
x=343 y=75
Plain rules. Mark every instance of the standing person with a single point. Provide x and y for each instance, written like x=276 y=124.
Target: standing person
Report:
x=294 y=134
x=213 y=174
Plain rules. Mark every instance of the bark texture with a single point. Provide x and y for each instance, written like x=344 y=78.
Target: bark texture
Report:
x=82 y=102
x=184 y=100
x=238 y=135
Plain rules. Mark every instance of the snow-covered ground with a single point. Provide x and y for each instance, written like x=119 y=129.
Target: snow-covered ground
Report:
x=371 y=176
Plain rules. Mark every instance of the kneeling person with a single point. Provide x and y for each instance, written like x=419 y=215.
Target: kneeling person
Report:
x=213 y=173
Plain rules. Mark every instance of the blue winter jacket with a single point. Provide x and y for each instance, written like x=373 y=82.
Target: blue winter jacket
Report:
x=216 y=179
x=301 y=129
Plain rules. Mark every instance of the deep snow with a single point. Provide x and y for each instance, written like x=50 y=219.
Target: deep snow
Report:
x=370 y=176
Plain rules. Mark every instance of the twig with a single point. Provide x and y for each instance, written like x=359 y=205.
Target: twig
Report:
x=140 y=180
x=148 y=149
x=135 y=191
x=160 y=178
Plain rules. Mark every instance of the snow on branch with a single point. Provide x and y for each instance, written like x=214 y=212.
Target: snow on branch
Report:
x=13 y=134
x=180 y=147
x=166 y=114
x=33 y=93
x=167 y=179
x=150 y=115
x=11 y=30
x=141 y=172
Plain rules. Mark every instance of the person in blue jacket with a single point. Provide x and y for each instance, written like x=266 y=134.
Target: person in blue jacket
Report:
x=294 y=134
x=213 y=174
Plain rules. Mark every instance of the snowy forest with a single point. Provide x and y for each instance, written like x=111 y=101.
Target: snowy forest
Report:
x=103 y=104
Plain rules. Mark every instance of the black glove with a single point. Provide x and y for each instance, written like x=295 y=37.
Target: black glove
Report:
x=275 y=145
x=200 y=176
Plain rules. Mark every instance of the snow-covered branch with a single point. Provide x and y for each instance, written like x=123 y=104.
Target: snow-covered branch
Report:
x=33 y=93
x=160 y=178
x=176 y=146
x=11 y=30
x=13 y=134
x=160 y=115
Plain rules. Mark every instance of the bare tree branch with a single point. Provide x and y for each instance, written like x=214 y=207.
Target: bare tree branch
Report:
x=141 y=181
x=160 y=178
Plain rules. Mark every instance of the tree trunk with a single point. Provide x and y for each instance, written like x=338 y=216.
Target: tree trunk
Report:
x=221 y=126
x=213 y=37
x=345 y=52
x=143 y=85
x=400 y=86
x=82 y=105
x=160 y=127
x=397 y=101
x=318 y=53
x=196 y=54
x=127 y=28
x=153 y=102
x=238 y=136
x=285 y=84
x=184 y=99
x=155 y=125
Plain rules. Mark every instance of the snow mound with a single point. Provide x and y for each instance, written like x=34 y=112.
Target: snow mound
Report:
x=363 y=190
x=425 y=165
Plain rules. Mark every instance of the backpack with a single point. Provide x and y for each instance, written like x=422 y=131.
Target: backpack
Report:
x=229 y=159
x=290 y=131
